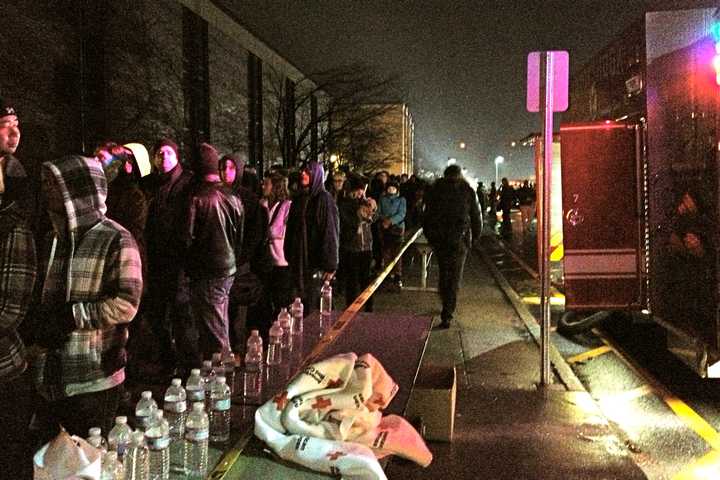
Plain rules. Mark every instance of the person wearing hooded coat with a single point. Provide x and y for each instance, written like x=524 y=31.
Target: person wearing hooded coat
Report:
x=90 y=292
x=452 y=224
x=312 y=236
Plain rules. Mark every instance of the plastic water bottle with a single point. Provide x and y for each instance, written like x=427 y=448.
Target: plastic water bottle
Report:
x=252 y=376
x=255 y=341
x=297 y=312
x=207 y=372
x=137 y=466
x=112 y=468
x=228 y=366
x=175 y=408
x=197 y=432
x=326 y=299
x=220 y=411
x=96 y=439
x=285 y=321
x=119 y=437
x=325 y=306
x=157 y=438
x=195 y=388
x=144 y=410
x=274 y=351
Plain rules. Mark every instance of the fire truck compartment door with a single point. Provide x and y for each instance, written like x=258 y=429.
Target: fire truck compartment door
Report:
x=602 y=264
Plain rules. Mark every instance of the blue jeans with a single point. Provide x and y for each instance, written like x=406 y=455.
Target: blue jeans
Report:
x=209 y=301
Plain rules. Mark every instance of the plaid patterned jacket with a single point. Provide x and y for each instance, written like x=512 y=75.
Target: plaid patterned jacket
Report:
x=95 y=266
x=18 y=269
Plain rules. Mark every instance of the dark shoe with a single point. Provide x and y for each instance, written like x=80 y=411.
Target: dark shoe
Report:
x=443 y=325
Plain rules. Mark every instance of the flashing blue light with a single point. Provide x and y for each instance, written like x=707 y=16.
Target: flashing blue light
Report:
x=715 y=30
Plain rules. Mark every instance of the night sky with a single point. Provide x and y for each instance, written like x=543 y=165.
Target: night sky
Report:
x=462 y=62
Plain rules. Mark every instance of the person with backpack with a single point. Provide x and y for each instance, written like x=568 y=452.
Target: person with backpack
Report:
x=452 y=223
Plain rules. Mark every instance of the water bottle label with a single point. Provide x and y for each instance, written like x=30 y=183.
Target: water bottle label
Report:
x=221 y=405
x=157 y=443
x=176 y=407
x=196 y=435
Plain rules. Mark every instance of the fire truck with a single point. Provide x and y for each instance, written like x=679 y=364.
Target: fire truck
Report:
x=640 y=150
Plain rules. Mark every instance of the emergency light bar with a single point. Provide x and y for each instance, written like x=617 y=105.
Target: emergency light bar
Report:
x=715 y=30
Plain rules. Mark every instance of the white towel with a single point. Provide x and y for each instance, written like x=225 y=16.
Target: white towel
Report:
x=330 y=419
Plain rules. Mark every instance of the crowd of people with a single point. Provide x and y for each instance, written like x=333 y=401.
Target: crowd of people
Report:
x=142 y=252
x=505 y=198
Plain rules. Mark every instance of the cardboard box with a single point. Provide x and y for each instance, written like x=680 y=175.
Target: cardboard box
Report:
x=433 y=402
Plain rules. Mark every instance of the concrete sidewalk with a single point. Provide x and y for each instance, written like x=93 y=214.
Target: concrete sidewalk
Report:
x=506 y=426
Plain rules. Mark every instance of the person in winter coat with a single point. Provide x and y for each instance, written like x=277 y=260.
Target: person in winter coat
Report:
x=125 y=166
x=391 y=213
x=18 y=272
x=90 y=292
x=167 y=300
x=311 y=242
x=277 y=203
x=213 y=240
x=452 y=223
x=357 y=214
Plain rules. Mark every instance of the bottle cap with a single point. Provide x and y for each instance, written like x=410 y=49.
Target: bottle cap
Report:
x=94 y=432
x=198 y=407
x=146 y=395
x=176 y=382
x=221 y=380
x=254 y=333
x=195 y=372
x=121 y=420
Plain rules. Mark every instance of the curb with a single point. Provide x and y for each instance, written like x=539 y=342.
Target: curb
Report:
x=563 y=370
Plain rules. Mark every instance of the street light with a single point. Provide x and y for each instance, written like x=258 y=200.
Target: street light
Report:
x=498 y=160
x=462 y=145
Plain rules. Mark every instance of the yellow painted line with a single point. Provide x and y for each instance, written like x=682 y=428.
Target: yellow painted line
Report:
x=707 y=467
x=595 y=352
x=681 y=409
x=554 y=300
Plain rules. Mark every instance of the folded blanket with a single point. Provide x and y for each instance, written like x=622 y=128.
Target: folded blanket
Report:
x=330 y=419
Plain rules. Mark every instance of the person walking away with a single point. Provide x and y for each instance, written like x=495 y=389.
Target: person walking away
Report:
x=452 y=223
x=391 y=217
x=311 y=242
x=213 y=239
x=167 y=302
x=277 y=203
x=492 y=201
x=507 y=199
x=90 y=293
x=357 y=214
x=18 y=272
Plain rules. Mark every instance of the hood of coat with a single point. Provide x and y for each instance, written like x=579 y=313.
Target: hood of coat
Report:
x=317 y=177
x=84 y=189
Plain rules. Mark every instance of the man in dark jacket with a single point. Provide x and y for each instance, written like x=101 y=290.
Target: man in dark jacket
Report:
x=311 y=241
x=213 y=240
x=452 y=223
x=167 y=295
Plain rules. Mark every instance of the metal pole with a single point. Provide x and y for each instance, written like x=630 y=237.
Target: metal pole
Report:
x=496 y=175
x=546 y=81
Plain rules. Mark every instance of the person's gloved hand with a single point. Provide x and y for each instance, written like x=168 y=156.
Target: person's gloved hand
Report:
x=54 y=326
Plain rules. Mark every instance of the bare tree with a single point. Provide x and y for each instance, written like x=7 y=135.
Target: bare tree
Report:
x=351 y=100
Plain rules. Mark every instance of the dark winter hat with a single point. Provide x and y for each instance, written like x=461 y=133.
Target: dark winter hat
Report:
x=392 y=183
x=356 y=182
x=209 y=160
x=6 y=108
x=169 y=143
